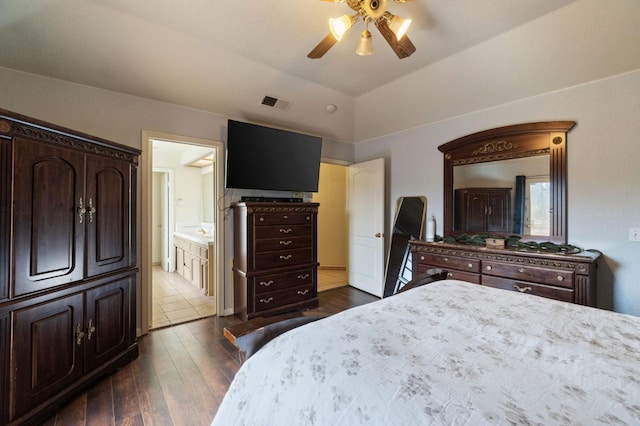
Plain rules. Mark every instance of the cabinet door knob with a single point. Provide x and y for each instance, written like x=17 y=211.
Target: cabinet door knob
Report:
x=92 y=210
x=81 y=210
x=79 y=334
x=488 y=268
x=90 y=329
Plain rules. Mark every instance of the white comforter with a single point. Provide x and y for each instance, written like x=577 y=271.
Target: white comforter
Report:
x=447 y=353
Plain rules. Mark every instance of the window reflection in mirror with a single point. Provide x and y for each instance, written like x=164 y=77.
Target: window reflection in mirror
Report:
x=527 y=211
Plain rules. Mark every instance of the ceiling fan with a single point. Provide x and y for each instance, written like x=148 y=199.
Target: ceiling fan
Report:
x=392 y=28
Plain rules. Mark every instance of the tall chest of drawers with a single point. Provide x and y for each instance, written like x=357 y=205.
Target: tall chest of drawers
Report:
x=566 y=277
x=275 y=263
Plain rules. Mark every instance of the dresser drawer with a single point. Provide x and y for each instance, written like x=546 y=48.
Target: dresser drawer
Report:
x=550 y=292
x=278 y=298
x=452 y=274
x=286 y=243
x=449 y=263
x=273 y=282
x=265 y=219
x=280 y=259
x=281 y=231
x=552 y=277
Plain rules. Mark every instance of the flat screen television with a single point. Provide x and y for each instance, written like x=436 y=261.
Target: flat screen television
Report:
x=261 y=157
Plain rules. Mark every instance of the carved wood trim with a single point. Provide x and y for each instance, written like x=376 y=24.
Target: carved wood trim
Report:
x=15 y=125
x=281 y=209
x=507 y=257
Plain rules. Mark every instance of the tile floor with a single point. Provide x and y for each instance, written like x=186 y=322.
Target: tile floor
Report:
x=331 y=278
x=175 y=300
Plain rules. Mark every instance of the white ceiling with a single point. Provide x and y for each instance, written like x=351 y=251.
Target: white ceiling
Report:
x=224 y=56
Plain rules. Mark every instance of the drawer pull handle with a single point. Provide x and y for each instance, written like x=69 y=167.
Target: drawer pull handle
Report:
x=285 y=243
x=521 y=270
x=421 y=257
x=302 y=293
x=285 y=217
x=285 y=231
x=488 y=268
x=303 y=277
x=560 y=278
x=269 y=300
x=522 y=289
x=450 y=274
x=262 y=219
x=446 y=259
x=471 y=265
x=287 y=257
x=266 y=283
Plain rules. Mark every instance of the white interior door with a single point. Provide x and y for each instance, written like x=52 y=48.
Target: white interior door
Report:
x=366 y=226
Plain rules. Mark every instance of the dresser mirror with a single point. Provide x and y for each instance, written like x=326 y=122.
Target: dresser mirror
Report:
x=508 y=181
x=408 y=224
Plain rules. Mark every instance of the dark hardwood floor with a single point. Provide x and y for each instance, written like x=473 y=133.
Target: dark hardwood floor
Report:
x=180 y=377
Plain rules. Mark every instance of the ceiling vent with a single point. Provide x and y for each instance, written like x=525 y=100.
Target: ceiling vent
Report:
x=272 y=102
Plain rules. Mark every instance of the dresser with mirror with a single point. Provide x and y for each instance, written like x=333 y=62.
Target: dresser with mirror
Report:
x=513 y=181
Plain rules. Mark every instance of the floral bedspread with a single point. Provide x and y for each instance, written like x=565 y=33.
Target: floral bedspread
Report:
x=446 y=353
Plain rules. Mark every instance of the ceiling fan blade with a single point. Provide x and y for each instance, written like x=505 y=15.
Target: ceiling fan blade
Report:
x=322 y=47
x=403 y=47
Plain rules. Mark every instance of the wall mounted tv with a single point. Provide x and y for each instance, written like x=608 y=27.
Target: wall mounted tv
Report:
x=261 y=157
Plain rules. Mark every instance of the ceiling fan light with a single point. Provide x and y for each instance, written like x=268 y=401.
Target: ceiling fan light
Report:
x=399 y=26
x=339 y=26
x=365 y=47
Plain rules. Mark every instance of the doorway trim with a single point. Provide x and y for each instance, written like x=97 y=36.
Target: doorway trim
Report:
x=146 y=172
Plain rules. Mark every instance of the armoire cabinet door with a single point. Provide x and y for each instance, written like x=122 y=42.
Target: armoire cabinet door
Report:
x=46 y=351
x=47 y=223
x=108 y=213
x=109 y=322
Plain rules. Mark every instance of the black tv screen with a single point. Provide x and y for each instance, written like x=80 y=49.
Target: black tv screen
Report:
x=261 y=157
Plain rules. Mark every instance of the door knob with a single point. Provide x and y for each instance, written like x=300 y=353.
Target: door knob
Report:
x=378 y=235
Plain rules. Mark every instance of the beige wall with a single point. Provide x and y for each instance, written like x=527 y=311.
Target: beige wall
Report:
x=332 y=216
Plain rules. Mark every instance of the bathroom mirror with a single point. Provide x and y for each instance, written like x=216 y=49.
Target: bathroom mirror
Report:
x=508 y=181
x=408 y=224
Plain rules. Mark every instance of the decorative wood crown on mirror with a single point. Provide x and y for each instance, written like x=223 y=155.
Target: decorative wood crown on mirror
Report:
x=508 y=181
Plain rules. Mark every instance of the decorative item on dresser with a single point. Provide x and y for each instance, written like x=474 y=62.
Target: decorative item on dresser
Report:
x=566 y=277
x=68 y=263
x=275 y=262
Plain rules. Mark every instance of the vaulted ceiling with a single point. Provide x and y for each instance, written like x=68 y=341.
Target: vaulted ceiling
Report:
x=225 y=56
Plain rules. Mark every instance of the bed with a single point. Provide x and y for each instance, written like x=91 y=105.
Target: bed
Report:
x=446 y=353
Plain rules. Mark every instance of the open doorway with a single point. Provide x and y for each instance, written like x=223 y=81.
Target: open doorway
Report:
x=182 y=276
x=332 y=226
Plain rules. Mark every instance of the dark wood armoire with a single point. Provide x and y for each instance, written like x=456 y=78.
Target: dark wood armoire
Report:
x=67 y=263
